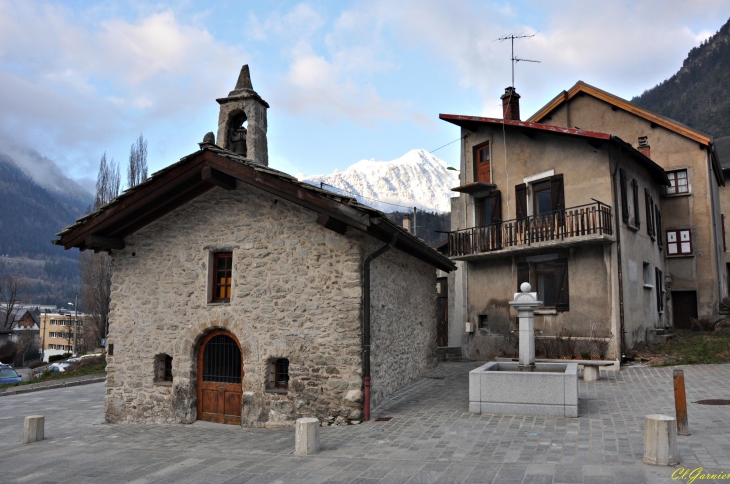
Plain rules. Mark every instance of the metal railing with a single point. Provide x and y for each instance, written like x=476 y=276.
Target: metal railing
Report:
x=589 y=219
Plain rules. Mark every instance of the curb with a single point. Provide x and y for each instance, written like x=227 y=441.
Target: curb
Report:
x=30 y=388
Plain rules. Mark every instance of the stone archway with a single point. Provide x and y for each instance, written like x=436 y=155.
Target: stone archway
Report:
x=220 y=373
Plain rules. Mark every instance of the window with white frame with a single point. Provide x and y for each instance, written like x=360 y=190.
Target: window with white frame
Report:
x=679 y=242
x=679 y=183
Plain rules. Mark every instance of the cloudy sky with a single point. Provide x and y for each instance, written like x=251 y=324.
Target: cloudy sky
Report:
x=346 y=80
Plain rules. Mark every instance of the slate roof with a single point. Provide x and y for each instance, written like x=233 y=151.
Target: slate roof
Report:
x=186 y=179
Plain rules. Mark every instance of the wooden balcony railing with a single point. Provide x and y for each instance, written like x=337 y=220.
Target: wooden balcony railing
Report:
x=590 y=219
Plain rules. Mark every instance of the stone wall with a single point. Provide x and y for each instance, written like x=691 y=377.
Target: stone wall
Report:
x=403 y=321
x=296 y=293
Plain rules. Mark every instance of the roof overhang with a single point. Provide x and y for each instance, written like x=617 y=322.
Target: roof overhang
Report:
x=581 y=87
x=594 y=138
x=106 y=228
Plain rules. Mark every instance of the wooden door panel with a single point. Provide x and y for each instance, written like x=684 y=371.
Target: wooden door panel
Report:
x=232 y=403
x=220 y=391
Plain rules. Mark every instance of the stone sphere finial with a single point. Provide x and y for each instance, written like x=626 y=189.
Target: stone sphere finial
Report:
x=525 y=287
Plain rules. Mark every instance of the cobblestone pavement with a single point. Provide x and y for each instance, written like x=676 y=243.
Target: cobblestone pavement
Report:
x=430 y=438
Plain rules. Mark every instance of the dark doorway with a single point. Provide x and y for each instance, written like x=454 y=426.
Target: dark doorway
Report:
x=220 y=370
x=442 y=325
x=684 y=308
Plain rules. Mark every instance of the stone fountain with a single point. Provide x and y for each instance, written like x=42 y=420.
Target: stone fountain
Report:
x=525 y=387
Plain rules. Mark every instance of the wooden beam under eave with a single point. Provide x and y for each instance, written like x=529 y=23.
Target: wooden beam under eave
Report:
x=218 y=178
x=98 y=242
x=332 y=223
x=167 y=183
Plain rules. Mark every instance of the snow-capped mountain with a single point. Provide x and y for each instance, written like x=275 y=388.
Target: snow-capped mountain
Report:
x=416 y=179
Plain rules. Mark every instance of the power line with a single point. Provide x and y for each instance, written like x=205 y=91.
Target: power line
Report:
x=356 y=195
x=447 y=144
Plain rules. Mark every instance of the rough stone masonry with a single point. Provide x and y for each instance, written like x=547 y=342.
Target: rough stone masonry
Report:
x=296 y=294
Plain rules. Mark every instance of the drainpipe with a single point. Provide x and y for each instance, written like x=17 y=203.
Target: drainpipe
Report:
x=617 y=207
x=366 y=322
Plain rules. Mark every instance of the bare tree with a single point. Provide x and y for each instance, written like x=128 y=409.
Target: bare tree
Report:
x=96 y=269
x=107 y=182
x=11 y=289
x=95 y=294
x=137 y=169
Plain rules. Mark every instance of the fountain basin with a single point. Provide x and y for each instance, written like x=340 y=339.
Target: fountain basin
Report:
x=550 y=390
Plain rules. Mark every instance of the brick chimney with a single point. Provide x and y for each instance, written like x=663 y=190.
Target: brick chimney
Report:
x=644 y=147
x=511 y=104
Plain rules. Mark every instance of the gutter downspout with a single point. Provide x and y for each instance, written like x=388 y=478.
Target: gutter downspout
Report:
x=618 y=256
x=366 y=322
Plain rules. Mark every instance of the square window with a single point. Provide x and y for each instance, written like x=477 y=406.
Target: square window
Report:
x=679 y=183
x=279 y=374
x=679 y=242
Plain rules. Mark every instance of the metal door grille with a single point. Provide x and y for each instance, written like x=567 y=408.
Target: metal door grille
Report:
x=222 y=360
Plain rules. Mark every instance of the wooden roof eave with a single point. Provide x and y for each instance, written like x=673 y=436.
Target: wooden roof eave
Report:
x=199 y=172
x=581 y=87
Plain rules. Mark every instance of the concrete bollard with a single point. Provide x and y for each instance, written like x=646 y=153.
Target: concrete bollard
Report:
x=306 y=440
x=591 y=373
x=660 y=440
x=33 y=429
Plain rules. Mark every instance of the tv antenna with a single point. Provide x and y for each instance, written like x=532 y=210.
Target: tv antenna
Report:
x=511 y=38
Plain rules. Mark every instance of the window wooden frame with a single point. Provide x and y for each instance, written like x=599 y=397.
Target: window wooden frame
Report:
x=221 y=285
x=678 y=187
x=679 y=242
x=541 y=186
x=482 y=154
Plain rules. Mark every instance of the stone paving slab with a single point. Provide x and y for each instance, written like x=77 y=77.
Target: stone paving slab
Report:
x=430 y=438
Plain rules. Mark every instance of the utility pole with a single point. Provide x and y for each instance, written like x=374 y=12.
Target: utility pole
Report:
x=76 y=321
x=43 y=337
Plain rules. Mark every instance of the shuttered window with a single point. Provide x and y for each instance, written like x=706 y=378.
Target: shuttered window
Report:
x=489 y=209
x=521 y=200
x=659 y=227
x=659 y=290
x=624 y=196
x=635 y=190
x=679 y=242
x=549 y=280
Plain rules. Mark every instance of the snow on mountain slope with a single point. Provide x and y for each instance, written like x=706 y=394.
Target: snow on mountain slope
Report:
x=416 y=179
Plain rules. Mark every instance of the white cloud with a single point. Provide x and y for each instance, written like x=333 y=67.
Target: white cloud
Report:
x=331 y=84
x=69 y=87
x=616 y=45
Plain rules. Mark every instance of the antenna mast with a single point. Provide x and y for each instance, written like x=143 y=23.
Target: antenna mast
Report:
x=511 y=38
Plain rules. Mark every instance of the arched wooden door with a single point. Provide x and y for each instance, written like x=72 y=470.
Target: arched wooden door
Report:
x=220 y=369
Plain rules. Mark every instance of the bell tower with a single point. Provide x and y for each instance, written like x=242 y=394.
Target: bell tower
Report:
x=242 y=121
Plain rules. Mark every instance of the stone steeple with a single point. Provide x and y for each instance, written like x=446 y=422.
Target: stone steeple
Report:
x=242 y=121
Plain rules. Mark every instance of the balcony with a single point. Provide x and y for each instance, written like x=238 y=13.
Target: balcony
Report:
x=584 y=224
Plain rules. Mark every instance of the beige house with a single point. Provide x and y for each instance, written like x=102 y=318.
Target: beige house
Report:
x=696 y=276
x=241 y=295
x=573 y=212
x=57 y=332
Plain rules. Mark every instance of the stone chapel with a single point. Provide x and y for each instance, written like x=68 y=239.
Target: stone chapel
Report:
x=243 y=296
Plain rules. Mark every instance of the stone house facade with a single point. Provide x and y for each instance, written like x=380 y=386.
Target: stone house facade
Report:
x=571 y=211
x=696 y=277
x=239 y=293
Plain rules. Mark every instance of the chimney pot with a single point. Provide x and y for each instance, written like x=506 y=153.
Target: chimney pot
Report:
x=511 y=104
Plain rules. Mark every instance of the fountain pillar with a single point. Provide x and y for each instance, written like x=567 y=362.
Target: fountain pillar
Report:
x=525 y=302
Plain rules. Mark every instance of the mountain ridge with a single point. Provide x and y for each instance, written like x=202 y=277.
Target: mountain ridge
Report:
x=698 y=94
x=416 y=179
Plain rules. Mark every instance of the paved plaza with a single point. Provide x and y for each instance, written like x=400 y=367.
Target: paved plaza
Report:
x=430 y=438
